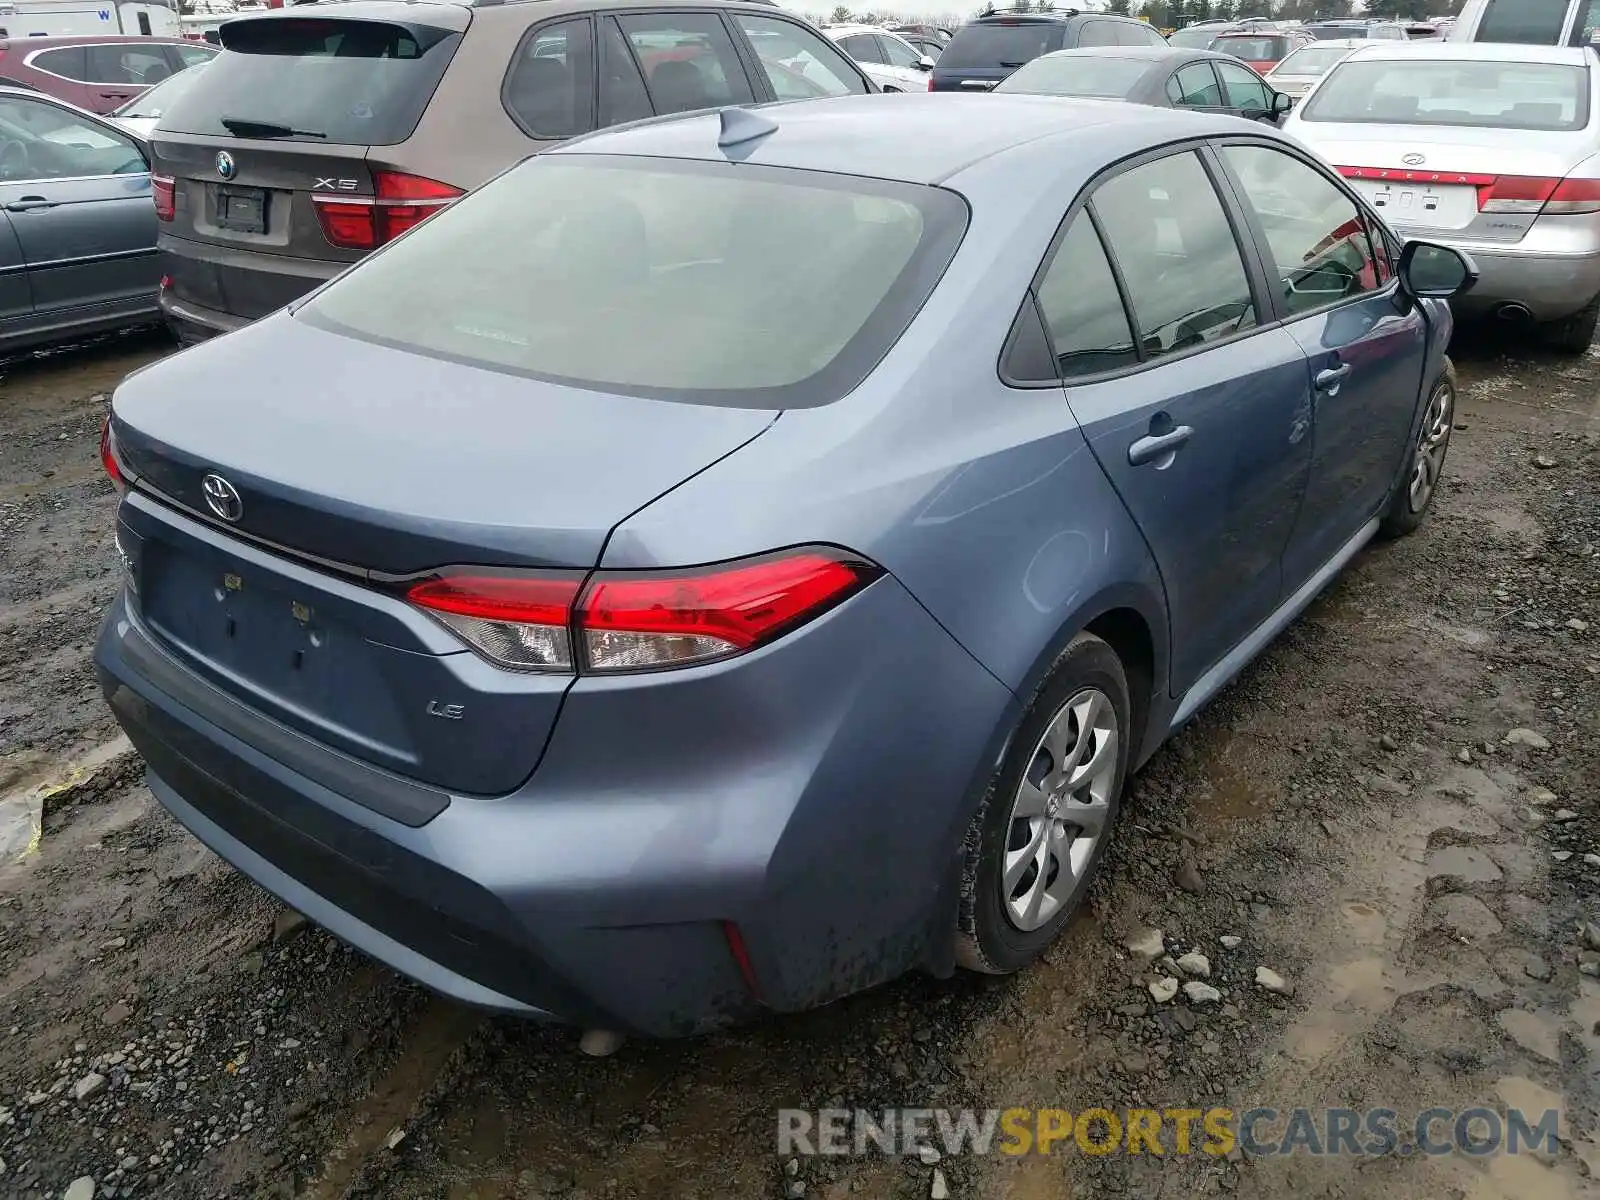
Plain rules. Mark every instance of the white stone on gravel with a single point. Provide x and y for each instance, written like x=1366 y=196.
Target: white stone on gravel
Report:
x=90 y=1085
x=1529 y=738
x=1201 y=993
x=81 y=1188
x=1163 y=989
x=1195 y=965
x=1230 y=941
x=1273 y=982
x=1146 y=945
x=938 y=1189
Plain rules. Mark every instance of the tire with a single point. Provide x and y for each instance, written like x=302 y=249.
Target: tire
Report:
x=1574 y=334
x=1419 y=483
x=992 y=936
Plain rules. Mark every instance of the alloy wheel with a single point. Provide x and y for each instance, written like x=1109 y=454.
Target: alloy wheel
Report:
x=1059 y=814
x=1432 y=443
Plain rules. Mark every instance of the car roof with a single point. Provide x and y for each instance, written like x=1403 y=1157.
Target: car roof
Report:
x=1256 y=33
x=1576 y=56
x=920 y=137
x=456 y=15
x=1337 y=43
x=1025 y=18
x=844 y=28
x=1149 y=53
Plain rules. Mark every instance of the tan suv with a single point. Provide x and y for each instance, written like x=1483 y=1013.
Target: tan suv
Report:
x=320 y=133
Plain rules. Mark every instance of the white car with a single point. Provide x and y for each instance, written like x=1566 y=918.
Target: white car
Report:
x=1486 y=147
x=1294 y=75
x=890 y=61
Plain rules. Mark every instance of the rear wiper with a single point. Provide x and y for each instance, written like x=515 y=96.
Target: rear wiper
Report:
x=244 y=127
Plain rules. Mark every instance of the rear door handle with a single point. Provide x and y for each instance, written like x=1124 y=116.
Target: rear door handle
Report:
x=29 y=204
x=1332 y=377
x=1158 y=446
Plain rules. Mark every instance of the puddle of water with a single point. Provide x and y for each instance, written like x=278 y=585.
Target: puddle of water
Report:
x=1230 y=791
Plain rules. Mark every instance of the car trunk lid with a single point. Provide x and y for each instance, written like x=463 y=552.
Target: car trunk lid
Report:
x=353 y=463
x=1437 y=180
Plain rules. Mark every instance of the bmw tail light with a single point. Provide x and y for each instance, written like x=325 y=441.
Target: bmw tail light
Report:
x=637 y=620
x=164 y=188
x=365 y=223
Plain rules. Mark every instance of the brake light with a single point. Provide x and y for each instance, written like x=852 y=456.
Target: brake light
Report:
x=930 y=83
x=108 y=457
x=164 y=189
x=401 y=203
x=634 y=620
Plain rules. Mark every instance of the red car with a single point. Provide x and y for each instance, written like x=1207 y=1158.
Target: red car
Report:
x=1260 y=49
x=96 y=73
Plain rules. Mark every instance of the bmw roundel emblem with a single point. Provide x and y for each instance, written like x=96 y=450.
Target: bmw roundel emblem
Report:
x=224 y=164
x=1413 y=160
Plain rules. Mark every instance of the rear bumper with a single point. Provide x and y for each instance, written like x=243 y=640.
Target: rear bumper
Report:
x=217 y=289
x=814 y=793
x=191 y=323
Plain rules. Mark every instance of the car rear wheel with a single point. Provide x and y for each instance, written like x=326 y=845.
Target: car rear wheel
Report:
x=1574 y=334
x=1414 y=496
x=1040 y=834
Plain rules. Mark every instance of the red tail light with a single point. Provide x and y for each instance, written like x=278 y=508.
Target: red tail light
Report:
x=634 y=621
x=165 y=191
x=1531 y=194
x=930 y=83
x=402 y=202
x=108 y=456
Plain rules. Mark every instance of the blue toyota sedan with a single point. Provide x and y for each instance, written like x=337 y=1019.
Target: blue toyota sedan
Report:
x=729 y=561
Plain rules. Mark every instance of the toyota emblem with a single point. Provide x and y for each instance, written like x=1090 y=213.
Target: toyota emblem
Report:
x=222 y=497
x=1413 y=159
x=224 y=164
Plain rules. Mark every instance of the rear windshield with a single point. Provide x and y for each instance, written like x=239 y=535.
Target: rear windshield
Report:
x=1480 y=95
x=1194 y=39
x=994 y=44
x=705 y=282
x=1324 y=32
x=350 y=82
x=1524 y=22
x=1077 y=76
x=156 y=100
x=1311 y=60
x=1253 y=49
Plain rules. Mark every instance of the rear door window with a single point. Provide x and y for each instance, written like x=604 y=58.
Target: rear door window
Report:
x=688 y=60
x=317 y=79
x=799 y=64
x=1082 y=308
x=1526 y=22
x=1136 y=33
x=1098 y=33
x=120 y=62
x=997 y=44
x=549 y=88
x=898 y=53
x=1243 y=89
x=1195 y=86
x=1182 y=267
x=622 y=92
x=864 y=48
x=69 y=62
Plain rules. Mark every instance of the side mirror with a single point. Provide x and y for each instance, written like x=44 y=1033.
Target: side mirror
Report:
x=925 y=63
x=1430 y=271
x=1281 y=103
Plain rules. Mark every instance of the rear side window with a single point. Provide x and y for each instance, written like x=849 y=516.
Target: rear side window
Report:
x=1195 y=86
x=1253 y=49
x=1526 y=22
x=1098 y=33
x=864 y=48
x=1137 y=33
x=798 y=64
x=1082 y=308
x=120 y=62
x=1193 y=39
x=69 y=62
x=688 y=60
x=622 y=93
x=549 y=88
x=703 y=282
x=997 y=44
x=193 y=56
x=338 y=80
x=1077 y=75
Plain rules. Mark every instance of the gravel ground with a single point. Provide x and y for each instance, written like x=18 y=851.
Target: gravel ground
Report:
x=1396 y=812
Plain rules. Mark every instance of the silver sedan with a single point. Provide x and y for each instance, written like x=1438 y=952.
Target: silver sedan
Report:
x=1493 y=149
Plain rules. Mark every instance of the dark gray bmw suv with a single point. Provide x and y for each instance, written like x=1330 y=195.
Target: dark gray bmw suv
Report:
x=319 y=134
